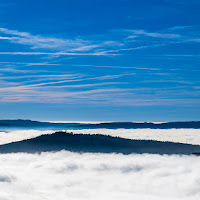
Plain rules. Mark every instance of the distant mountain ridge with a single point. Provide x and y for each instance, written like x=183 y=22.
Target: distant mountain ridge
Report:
x=164 y=125
x=109 y=125
x=30 y=123
x=96 y=144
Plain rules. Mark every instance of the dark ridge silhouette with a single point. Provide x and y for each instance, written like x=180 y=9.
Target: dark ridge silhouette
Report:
x=109 y=125
x=96 y=143
x=21 y=122
x=128 y=125
x=30 y=123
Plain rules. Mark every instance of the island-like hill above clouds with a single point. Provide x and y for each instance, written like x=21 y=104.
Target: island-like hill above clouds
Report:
x=109 y=125
x=96 y=144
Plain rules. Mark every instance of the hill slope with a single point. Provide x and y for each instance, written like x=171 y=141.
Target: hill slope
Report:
x=96 y=143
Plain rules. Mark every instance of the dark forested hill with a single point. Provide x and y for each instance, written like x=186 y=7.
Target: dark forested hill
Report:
x=96 y=143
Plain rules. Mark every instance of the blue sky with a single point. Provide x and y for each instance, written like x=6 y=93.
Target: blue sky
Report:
x=108 y=60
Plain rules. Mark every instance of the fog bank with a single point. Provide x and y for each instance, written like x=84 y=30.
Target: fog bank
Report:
x=65 y=175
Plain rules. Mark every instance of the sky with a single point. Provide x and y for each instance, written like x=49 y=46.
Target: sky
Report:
x=100 y=60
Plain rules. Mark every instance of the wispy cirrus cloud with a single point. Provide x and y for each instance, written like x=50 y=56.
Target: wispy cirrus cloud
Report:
x=57 y=53
x=94 y=93
x=65 y=87
x=54 y=88
x=31 y=63
x=119 y=67
x=67 y=78
x=183 y=33
x=182 y=55
x=128 y=40
x=140 y=39
x=59 y=46
x=152 y=34
x=41 y=42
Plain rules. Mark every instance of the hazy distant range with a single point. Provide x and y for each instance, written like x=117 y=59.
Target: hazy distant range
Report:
x=107 y=125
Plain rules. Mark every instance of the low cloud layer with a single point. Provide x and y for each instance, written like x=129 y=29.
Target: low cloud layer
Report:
x=68 y=175
x=18 y=135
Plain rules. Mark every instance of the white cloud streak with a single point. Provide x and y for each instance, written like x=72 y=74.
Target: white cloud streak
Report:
x=153 y=34
x=63 y=47
x=73 y=88
x=120 y=67
x=31 y=64
x=37 y=41
x=169 y=36
x=56 y=88
x=57 y=53
x=80 y=47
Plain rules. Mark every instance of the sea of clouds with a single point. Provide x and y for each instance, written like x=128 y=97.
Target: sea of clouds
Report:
x=18 y=135
x=66 y=175
x=188 y=136
x=72 y=176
